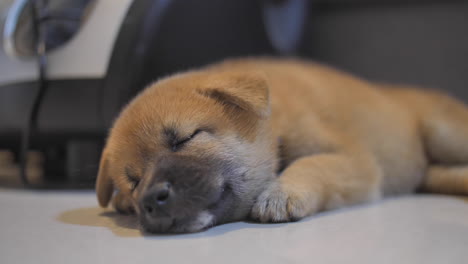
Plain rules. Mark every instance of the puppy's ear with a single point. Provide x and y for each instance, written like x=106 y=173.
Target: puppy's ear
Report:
x=104 y=185
x=240 y=93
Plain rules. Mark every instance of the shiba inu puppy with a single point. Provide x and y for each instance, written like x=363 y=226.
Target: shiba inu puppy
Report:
x=276 y=140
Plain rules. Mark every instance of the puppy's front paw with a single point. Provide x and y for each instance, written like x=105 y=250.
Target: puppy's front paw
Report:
x=282 y=203
x=122 y=204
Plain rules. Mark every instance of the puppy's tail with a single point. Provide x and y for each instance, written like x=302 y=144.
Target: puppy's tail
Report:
x=443 y=124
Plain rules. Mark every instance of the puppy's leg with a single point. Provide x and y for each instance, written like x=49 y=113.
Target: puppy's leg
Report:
x=122 y=204
x=445 y=130
x=319 y=182
x=447 y=179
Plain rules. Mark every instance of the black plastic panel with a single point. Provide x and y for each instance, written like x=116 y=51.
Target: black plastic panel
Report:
x=417 y=44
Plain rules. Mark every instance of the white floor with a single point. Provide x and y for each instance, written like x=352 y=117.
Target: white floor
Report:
x=67 y=227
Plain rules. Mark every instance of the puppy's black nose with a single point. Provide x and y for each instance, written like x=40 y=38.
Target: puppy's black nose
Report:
x=157 y=199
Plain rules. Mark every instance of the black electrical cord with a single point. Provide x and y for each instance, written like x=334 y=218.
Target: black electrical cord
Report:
x=37 y=11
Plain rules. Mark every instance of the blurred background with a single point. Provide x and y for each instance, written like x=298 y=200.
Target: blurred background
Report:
x=68 y=66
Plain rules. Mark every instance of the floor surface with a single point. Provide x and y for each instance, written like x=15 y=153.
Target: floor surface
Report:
x=68 y=227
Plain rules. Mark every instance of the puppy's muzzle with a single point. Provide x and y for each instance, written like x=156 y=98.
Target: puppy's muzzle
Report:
x=181 y=187
x=158 y=200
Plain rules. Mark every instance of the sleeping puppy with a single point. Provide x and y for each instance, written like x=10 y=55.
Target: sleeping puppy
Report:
x=275 y=141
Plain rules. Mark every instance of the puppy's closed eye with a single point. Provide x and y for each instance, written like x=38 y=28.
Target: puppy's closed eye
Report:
x=132 y=178
x=177 y=144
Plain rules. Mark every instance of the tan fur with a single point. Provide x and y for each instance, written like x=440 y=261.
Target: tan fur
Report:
x=342 y=140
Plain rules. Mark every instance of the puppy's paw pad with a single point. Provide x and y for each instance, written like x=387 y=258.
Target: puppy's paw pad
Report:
x=282 y=204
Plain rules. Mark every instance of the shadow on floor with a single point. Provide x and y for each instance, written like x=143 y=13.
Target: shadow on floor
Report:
x=120 y=225
x=127 y=225
x=464 y=198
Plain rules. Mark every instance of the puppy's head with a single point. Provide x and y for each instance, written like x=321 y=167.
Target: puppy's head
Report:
x=191 y=151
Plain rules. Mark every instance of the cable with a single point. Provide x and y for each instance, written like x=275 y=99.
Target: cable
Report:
x=31 y=123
